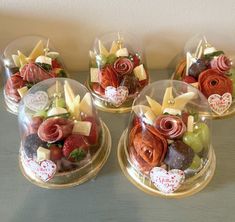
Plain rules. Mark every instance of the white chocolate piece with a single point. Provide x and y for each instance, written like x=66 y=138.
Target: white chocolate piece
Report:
x=86 y=104
x=114 y=47
x=155 y=106
x=53 y=55
x=82 y=127
x=44 y=59
x=190 y=123
x=94 y=74
x=56 y=111
x=122 y=52
x=43 y=154
x=172 y=111
x=22 y=91
x=16 y=60
x=37 y=51
x=209 y=50
x=140 y=73
x=102 y=49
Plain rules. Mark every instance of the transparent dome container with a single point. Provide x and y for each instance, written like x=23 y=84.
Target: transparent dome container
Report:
x=63 y=140
x=117 y=72
x=27 y=61
x=211 y=70
x=166 y=149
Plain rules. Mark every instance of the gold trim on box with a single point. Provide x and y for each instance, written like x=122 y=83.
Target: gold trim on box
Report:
x=191 y=185
x=78 y=176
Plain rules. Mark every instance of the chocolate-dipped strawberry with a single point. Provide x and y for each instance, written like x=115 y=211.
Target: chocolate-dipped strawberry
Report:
x=179 y=155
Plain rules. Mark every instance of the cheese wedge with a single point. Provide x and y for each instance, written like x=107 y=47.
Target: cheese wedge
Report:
x=122 y=52
x=190 y=123
x=86 y=104
x=150 y=117
x=37 y=51
x=69 y=97
x=140 y=110
x=22 y=91
x=140 y=73
x=102 y=49
x=167 y=98
x=82 y=127
x=43 y=154
x=16 y=60
x=52 y=90
x=56 y=111
x=114 y=47
x=155 y=106
x=22 y=58
x=182 y=100
x=94 y=74
x=76 y=111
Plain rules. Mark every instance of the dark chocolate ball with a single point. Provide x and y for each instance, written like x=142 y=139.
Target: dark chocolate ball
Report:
x=179 y=155
x=31 y=144
x=131 y=82
x=199 y=66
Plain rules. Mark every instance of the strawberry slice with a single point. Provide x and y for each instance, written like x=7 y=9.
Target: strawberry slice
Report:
x=75 y=148
x=94 y=133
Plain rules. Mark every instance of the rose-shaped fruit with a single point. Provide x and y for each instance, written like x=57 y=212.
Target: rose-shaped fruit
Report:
x=107 y=77
x=33 y=73
x=169 y=126
x=55 y=129
x=13 y=83
x=147 y=147
x=212 y=82
x=222 y=64
x=123 y=66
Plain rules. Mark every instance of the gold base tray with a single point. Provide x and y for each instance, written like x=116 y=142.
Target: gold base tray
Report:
x=78 y=176
x=191 y=185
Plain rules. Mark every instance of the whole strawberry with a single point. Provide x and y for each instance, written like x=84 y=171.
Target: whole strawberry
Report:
x=75 y=148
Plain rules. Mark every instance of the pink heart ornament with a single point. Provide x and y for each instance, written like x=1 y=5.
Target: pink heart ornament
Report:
x=45 y=170
x=167 y=181
x=219 y=104
x=36 y=101
x=116 y=96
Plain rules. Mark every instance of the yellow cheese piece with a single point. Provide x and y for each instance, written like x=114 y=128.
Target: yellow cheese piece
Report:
x=122 y=52
x=22 y=91
x=114 y=47
x=190 y=123
x=76 y=104
x=94 y=74
x=22 y=59
x=16 y=60
x=69 y=97
x=155 y=106
x=140 y=73
x=43 y=154
x=182 y=100
x=82 y=127
x=140 y=110
x=150 y=116
x=37 y=51
x=86 y=104
x=167 y=98
x=102 y=49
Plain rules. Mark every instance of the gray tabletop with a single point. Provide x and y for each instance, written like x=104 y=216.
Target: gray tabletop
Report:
x=111 y=197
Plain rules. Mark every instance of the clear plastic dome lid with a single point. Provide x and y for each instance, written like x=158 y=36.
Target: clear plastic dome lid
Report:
x=210 y=69
x=61 y=134
x=168 y=138
x=27 y=61
x=117 y=71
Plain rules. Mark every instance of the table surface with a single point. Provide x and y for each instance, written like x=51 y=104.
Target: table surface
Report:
x=111 y=197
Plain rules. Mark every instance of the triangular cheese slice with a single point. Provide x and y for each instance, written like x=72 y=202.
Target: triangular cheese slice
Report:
x=37 y=51
x=86 y=104
x=102 y=49
x=167 y=97
x=22 y=58
x=155 y=106
x=182 y=100
x=114 y=47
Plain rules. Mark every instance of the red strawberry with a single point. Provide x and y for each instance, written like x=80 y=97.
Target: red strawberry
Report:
x=75 y=148
x=136 y=60
x=55 y=64
x=56 y=153
x=94 y=133
x=98 y=89
x=189 y=79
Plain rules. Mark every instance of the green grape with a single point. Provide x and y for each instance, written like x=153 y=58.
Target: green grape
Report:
x=194 y=141
x=203 y=132
x=196 y=162
x=41 y=113
x=111 y=58
x=60 y=103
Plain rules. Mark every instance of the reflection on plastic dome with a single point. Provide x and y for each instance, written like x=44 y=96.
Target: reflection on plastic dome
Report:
x=27 y=61
x=61 y=134
x=117 y=72
x=167 y=144
x=211 y=70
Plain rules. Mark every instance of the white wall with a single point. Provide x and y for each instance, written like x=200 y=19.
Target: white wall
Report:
x=162 y=25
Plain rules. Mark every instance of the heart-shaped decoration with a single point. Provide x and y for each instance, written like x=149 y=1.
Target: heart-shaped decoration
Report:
x=167 y=181
x=45 y=170
x=219 y=104
x=36 y=101
x=116 y=96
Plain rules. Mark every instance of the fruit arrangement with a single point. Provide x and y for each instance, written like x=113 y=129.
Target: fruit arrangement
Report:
x=168 y=142
x=61 y=130
x=210 y=70
x=118 y=74
x=25 y=71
